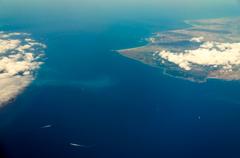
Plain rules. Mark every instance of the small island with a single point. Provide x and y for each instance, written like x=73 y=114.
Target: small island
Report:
x=206 y=49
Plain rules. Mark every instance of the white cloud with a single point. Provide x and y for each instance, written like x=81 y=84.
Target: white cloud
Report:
x=197 y=39
x=211 y=54
x=18 y=62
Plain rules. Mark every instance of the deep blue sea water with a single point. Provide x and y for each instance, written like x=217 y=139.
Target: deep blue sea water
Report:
x=114 y=106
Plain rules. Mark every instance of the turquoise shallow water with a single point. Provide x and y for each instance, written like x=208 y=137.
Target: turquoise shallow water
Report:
x=111 y=105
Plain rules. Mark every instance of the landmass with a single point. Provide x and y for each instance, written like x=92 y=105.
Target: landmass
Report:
x=20 y=58
x=206 y=49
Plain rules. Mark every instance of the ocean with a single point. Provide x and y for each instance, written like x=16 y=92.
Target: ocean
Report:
x=110 y=106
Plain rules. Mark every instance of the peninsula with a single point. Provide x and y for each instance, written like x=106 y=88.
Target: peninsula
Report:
x=207 y=48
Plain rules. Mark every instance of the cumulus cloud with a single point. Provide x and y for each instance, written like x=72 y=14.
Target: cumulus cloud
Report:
x=224 y=56
x=20 y=57
x=197 y=39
